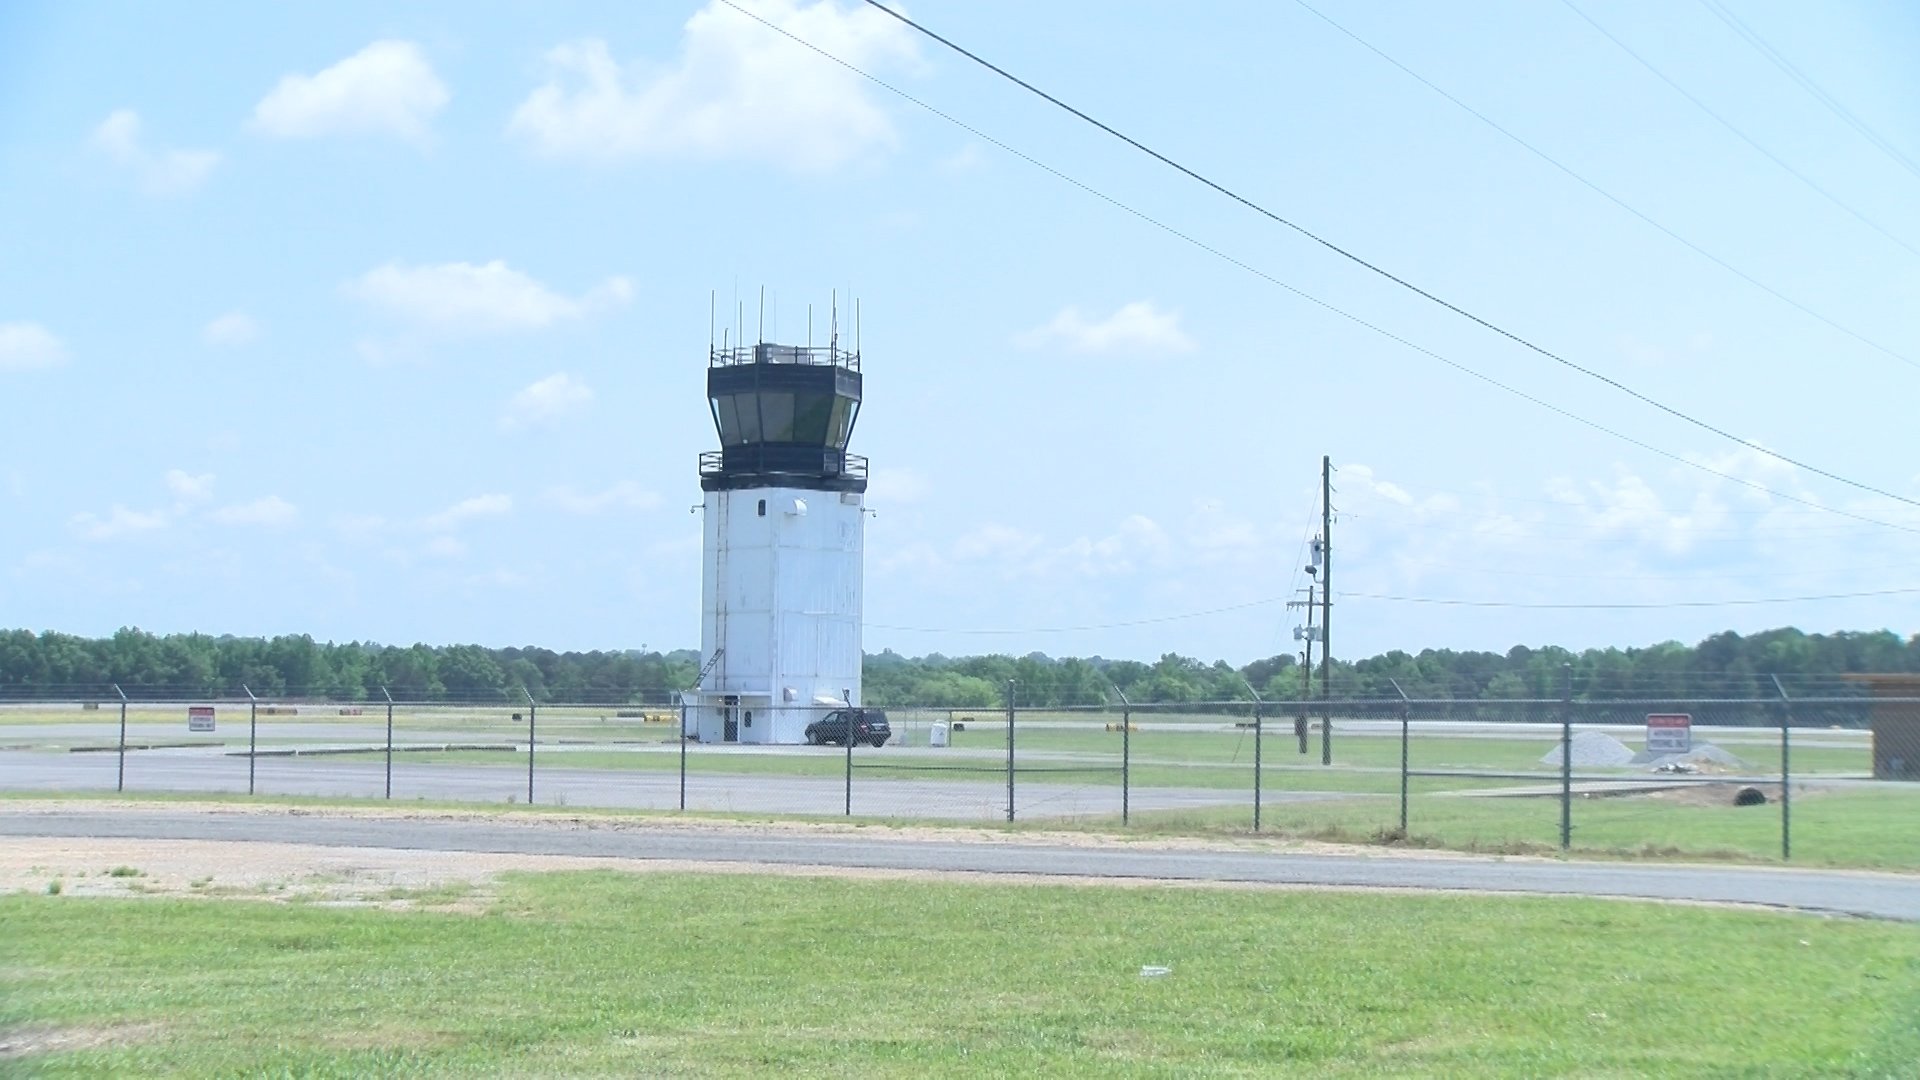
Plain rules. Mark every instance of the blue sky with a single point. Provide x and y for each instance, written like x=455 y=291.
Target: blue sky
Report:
x=388 y=322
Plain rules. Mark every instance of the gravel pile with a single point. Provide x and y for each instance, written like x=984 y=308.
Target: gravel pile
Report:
x=1703 y=754
x=1593 y=748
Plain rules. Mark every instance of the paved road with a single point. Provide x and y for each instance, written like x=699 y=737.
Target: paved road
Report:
x=1885 y=896
x=963 y=797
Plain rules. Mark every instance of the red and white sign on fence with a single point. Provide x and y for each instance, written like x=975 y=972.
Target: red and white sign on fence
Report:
x=1669 y=733
x=199 y=718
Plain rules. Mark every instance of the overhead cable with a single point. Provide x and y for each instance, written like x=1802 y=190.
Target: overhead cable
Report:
x=1738 y=26
x=1316 y=301
x=1387 y=597
x=1747 y=602
x=1742 y=135
x=1077 y=629
x=1610 y=196
x=1357 y=260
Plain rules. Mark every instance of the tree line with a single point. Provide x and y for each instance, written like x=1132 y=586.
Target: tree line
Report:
x=148 y=666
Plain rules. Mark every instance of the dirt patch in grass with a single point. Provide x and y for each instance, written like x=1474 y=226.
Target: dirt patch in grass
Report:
x=617 y=821
x=1710 y=794
x=33 y=1040
x=460 y=882
x=399 y=880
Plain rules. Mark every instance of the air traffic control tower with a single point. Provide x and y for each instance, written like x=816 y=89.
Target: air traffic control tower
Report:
x=781 y=580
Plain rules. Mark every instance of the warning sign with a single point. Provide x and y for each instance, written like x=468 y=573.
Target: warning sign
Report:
x=199 y=718
x=1669 y=733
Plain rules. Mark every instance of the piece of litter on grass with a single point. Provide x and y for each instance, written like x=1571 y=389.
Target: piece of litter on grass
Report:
x=1154 y=971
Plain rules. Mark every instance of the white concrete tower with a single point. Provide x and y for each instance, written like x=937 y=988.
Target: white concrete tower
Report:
x=785 y=519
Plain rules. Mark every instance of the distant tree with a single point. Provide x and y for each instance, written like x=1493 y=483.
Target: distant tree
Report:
x=1722 y=665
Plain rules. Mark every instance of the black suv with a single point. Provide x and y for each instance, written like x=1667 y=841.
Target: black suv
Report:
x=861 y=725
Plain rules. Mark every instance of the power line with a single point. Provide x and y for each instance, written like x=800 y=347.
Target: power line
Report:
x=1424 y=515
x=1751 y=601
x=1077 y=629
x=1389 y=275
x=1309 y=297
x=1517 y=529
x=1610 y=196
x=1432 y=600
x=1770 y=575
x=1738 y=26
x=1560 y=504
x=1741 y=135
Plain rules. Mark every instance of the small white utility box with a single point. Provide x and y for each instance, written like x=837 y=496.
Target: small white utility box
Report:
x=937 y=735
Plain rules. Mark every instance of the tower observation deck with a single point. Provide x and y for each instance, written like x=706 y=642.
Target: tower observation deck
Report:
x=784 y=414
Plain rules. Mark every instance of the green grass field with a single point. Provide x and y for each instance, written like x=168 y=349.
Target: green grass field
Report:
x=1210 y=760
x=1869 y=827
x=690 y=975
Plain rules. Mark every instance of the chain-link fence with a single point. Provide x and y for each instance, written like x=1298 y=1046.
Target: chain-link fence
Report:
x=1794 y=775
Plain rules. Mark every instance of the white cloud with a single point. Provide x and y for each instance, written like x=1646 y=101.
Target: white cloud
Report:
x=235 y=328
x=549 y=399
x=1136 y=544
x=467 y=509
x=1138 y=539
x=444 y=547
x=1364 y=476
x=1138 y=327
x=461 y=297
x=738 y=90
x=120 y=521
x=1752 y=466
x=190 y=488
x=995 y=543
x=624 y=495
x=27 y=345
x=156 y=171
x=387 y=88
x=270 y=511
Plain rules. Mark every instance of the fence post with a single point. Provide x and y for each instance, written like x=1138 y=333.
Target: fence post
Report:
x=121 y=783
x=389 y=697
x=1126 y=750
x=683 y=751
x=253 y=723
x=1256 y=752
x=1303 y=721
x=1566 y=756
x=1786 y=771
x=530 y=715
x=1405 y=716
x=1010 y=684
x=849 y=733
